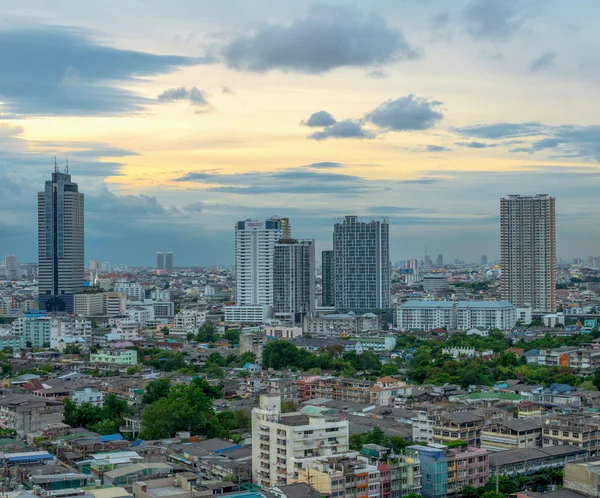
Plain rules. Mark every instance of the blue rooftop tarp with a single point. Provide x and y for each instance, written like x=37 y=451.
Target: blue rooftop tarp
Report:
x=137 y=443
x=34 y=457
x=111 y=437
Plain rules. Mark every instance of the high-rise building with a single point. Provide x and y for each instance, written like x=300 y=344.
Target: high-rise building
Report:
x=528 y=246
x=11 y=265
x=169 y=262
x=427 y=261
x=327 y=278
x=294 y=279
x=362 y=263
x=412 y=264
x=160 y=261
x=286 y=226
x=483 y=260
x=60 y=243
x=254 y=247
x=439 y=262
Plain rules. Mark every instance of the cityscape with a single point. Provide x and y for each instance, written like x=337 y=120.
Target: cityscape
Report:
x=237 y=294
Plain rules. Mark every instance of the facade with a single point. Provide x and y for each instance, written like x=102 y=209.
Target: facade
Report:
x=511 y=435
x=117 y=356
x=460 y=315
x=294 y=279
x=169 y=262
x=88 y=304
x=25 y=413
x=132 y=289
x=465 y=426
x=528 y=247
x=253 y=343
x=327 y=279
x=435 y=282
x=160 y=261
x=284 y=443
x=60 y=243
x=362 y=269
x=574 y=430
x=248 y=314
x=529 y=461
x=88 y=395
x=316 y=386
x=340 y=324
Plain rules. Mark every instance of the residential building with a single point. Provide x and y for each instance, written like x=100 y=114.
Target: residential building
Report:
x=377 y=344
x=132 y=289
x=286 y=389
x=284 y=443
x=528 y=247
x=14 y=342
x=11 y=266
x=434 y=282
x=465 y=426
x=130 y=474
x=115 y=303
x=387 y=389
x=412 y=264
x=254 y=253
x=422 y=427
x=160 y=261
x=316 y=386
x=294 y=279
x=327 y=279
x=25 y=413
x=512 y=434
x=169 y=262
x=362 y=263
x=575 y=430
x=439 y=262
x=90 y=303
x=141 y=314
x=88 y=395
x=426 y=315
x=60 y=243
x=399 y=476
x=528 y=461
x=340 y=324
x=116 y=356
x=434 y=469
x=253 y=343
x=188 y=321
x=283 y=331
x=487 y=314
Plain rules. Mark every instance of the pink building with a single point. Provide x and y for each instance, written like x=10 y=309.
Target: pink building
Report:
x=468 y=465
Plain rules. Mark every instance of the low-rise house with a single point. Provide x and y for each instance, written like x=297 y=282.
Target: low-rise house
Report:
x=528 y=461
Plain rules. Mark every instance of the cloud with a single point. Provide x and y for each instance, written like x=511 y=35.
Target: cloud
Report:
x=436 y=148
x=52 y=70
x=492 y=19
x=343 y=129
x=298 y=180
x=325 y=165
x=326 y=38
x=196 y=207
x=226 y=89
x=377 y=74
x=319 y=118
x=475 y=145
x=406 y=114
x=440 y=20
x=544 y=61
x=501 y=130
x=194 y=96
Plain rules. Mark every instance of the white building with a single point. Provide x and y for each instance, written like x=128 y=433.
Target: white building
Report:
x=524 y=315
x=283 y=443
x=88 y=304
x=528 y=246
x=160 y=295
x=434 y=282
x=283 y=331
x=422 y=427
x=460 y=315
x=426 y=315
x=88 y=395
x=141 y=314
x=132 y=289
x=485 y=314
x=248 y=314
x=188 y=321
x=553 y=319
x=127 y=330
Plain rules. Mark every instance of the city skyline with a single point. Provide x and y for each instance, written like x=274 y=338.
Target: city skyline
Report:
x=424 y=112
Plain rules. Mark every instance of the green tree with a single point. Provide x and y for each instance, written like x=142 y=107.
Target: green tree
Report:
x=70 y=412
x=279 y=355
x=72 y=349
x=216 y=359
x=389 y=369
x=114 y=408
x=104 y=427
x=469 y=491
x=156 y=390
x=214 y=372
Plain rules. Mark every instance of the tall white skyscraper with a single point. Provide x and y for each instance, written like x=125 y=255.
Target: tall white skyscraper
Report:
x=254 y=248
x=294 y=278
x=60 y=243
x=528 y=246
x=362 y=263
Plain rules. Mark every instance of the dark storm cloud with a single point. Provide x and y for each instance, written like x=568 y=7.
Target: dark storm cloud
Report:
x=492 y=19
x=194 y=96
x=347 y=128
x=406 y=114
x=544 y=61
x=326 y=38
x=53 y=70
x=319 y=118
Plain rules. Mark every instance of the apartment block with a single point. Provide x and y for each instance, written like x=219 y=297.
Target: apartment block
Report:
x=465 y=426
x=116 y=356
x=355 y=390
x=284 y=443
x=512 y=434
x=574 y=430
x=26 y=414
x=339 y=324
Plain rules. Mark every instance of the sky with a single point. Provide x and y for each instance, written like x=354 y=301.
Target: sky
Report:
x=179 y=118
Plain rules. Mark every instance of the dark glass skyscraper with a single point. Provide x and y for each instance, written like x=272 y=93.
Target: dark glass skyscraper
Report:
x=327 y=278
x=60 y=243
x=160 y=261
x=362 y=263
x=169 y=262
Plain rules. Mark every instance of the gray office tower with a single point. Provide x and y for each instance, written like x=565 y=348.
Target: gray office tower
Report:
x=483 y=260
x=160 y=261
x=294 y=279
x=169 y=262
x=362 y=263
x=327 y=278
x=60 y=243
